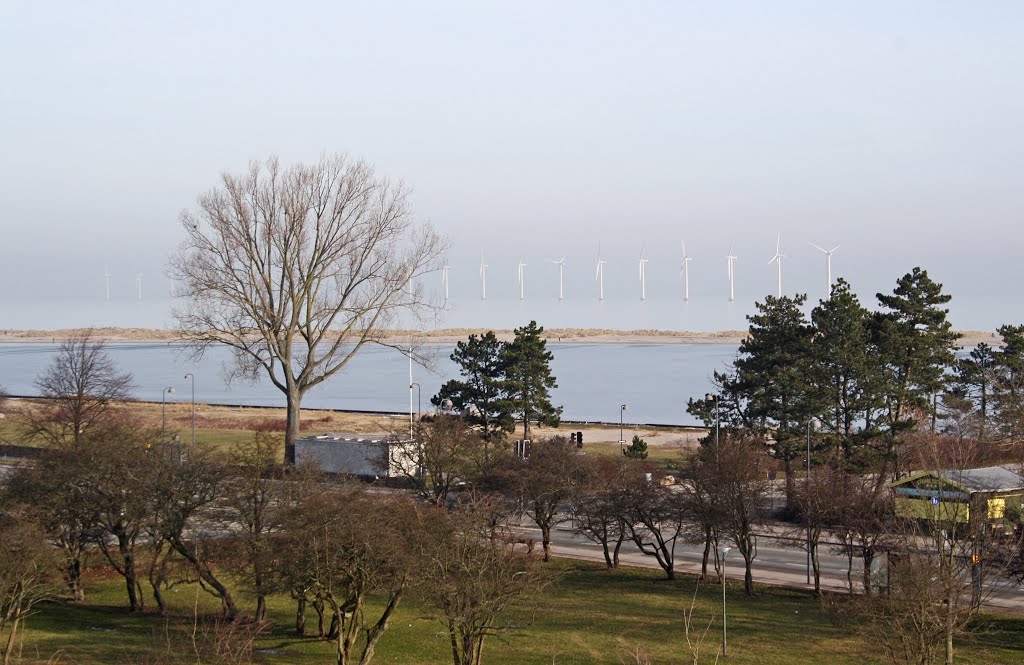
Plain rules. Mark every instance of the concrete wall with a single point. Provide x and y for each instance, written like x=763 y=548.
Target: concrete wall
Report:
x=358 y=458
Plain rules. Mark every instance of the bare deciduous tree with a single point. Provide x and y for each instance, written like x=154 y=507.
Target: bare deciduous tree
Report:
x=446 y=451
x=53 y=494
x=256 y=494
x=347 y=547
x=545 y=483
x=816 y=502
x=28 y=575
x=114 y=480
x=655 y=518
x=81 y=386
x=597 y=505
x=296 y=269
x=472 y=574
x=736 y=473
x=182 y=494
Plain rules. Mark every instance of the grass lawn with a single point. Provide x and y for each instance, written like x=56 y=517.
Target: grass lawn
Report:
x=589 y=616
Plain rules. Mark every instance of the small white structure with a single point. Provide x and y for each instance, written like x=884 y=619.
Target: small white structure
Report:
x=363 y=455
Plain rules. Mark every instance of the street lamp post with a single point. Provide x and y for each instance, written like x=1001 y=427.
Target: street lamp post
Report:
x=725 y=631
x=192 y=376
x=811 y=424
x=622 y=411
x=163 y=408
x=419 y=399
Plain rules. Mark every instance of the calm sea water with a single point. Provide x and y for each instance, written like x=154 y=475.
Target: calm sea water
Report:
x=593 y=379
x=703 y=314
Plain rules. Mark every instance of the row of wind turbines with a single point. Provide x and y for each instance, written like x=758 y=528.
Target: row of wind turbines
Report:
x=684 y=272
x=138 y=283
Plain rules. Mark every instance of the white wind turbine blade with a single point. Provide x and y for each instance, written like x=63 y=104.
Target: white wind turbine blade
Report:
x=820 y=249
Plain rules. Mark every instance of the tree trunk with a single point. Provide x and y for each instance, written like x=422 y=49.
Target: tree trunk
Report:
x=9 y=650
x=606 y=550
x=748 y=577
x=816 y=568
x=374 y=634
x=335 y=630
x=707 y=554
x=226 y=601
x=787 y=465
x=618 y=546
x=294 y=399
x=73 y=572
x=545 y=534
x=318 y=606
x=261 y=608
x=157 y=596
x=849 y=566
x=300 y=615
x=130 y=578
x=453 y=638
x=868 y=555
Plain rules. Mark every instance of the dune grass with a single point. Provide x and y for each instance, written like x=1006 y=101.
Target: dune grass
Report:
x=588 y=615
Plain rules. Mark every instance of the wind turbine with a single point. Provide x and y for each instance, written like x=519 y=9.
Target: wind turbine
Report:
x=106 y=275
x=483 y=278
x=138 y=282
x=444 y=279
x=600 y=275
x=777 y=259
x=828 y=266
x=731 y=260
x=643 y=275
x=561 y=278
x=685 y=272
x=521 y=270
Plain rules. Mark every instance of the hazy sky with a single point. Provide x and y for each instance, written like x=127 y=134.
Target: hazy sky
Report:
x=532 y=128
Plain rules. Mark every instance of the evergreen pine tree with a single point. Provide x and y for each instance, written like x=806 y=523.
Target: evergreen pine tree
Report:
x=528 y=379
x=480 y=395
x=916 y=342
x=844 y=370
x=773 y=372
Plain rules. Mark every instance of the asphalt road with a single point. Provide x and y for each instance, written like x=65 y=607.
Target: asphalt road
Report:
x=774 y=564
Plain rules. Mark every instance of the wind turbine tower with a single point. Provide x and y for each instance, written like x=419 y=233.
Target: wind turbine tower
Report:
x=561 y=278
x=828 y=266
x=444 y=279
x=483 y=278
x=686 y=273
x=106 y=275
x=777 y=259
x=731 y=261
x=600 y=275
x=521 y=276
x=138 y=282
x=643 y=275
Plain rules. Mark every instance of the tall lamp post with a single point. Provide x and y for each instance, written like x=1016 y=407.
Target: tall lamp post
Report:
x=813 y=423
x=163 y=408
x=192 y=376
x=419 y=399
x=622 y=411
x=725 y=630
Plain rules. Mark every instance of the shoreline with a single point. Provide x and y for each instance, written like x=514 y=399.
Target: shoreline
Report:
x=554 y=336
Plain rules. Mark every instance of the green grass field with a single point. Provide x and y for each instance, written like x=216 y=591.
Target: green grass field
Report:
x=588 y=616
